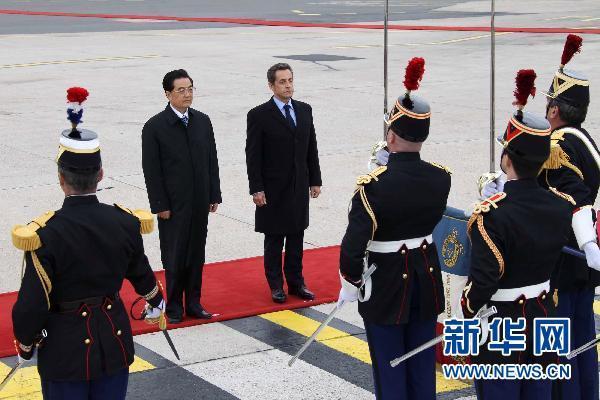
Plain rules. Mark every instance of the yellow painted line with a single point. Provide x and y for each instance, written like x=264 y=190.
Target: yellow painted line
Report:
x=83 y=60
x=465 y=39
x=343 y=342
x=567 y=17
x=597 y=307
x=26 y=382
x=24 y=385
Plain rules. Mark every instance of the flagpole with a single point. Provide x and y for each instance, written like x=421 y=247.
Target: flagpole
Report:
x=493 y=89
x=385 y=64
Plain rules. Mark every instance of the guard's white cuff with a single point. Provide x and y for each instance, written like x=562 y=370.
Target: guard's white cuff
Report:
x=583 y=226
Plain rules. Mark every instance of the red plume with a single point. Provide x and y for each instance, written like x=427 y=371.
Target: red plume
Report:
x=525 y=86
x=414 y=73
x=572 y=46
x=77 y=95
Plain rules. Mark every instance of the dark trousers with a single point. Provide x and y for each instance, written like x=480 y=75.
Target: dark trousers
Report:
x=113 y=387
x=414 y=379
x=292 y=264
x=583 y=385
x=183 y=281
x=513 y=389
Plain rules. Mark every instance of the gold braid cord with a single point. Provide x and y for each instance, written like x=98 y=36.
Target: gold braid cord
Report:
x=481 y=208
x=363 y=180
x=562 y=195
x=44 y=279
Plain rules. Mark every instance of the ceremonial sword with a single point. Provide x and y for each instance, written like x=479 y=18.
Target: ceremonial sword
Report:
x=19 y=364
x=162 y=325
x=329 y=318
x=589 y=345
x=484 y=314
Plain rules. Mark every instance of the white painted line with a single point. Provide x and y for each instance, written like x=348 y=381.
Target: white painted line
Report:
x=265 y=375
x=297 y=11
x=210 y=341
x=567 y=17
x=309 y=15
x=139 y=21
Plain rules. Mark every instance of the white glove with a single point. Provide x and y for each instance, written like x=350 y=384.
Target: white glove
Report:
x=154 y=312
x=382 y=156
x=493 y=187
x=592 y=255
x=348 y=292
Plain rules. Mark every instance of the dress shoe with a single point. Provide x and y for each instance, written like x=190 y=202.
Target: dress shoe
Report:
x=278 y=295
x=302 y=292
x=174 y=319
x=196 y=311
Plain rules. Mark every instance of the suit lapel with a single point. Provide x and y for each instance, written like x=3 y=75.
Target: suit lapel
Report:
x=299 y=115
x=278 y=115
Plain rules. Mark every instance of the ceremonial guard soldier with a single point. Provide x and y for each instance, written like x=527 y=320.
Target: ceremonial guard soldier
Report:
x=76 y=260
x=573 y=168
x=394 y=211
x=517 y=236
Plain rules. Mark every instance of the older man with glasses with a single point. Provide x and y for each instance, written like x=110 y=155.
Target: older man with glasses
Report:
x=179 y=159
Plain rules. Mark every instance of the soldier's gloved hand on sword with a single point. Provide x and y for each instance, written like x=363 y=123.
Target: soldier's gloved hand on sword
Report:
x=152 y=314
x=349 y=290
x=25 y=353
x=586 y=235
x=490 y=184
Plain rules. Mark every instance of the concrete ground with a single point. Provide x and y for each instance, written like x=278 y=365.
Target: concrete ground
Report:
x=337 y=71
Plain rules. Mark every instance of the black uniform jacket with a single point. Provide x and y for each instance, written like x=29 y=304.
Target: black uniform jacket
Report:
x=182 y=175
x=573 y=273
x=283 y=162
x=88 y=248
x=408 y=200
x=517 y=245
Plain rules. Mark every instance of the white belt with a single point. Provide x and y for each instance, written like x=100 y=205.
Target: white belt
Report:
x=528 y=291
x=395 y=245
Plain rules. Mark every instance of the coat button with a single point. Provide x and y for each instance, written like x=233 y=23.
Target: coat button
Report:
x=84 y=314
x=430 y=269
x=404 y=276
x=403 y=252
x=108 y=307
x=424 y=246
x=521 y=301
x=87 y=341
x=119 y=332
x=543 y=297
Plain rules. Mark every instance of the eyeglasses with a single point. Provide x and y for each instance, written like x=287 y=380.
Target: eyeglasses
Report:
x=183 y=90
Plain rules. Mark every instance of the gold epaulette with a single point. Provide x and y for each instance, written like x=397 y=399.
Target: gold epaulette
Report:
x=146 y=218
x=484 y=207
x=440 y=166
x=562 y=195
x=373 y=175
x=363 y=180
x=558 y=157
x=25 y=237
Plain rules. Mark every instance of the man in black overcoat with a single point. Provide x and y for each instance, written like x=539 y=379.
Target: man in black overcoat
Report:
x=283 y=170
x=179 y=159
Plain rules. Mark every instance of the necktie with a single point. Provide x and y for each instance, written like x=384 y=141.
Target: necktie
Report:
x=184 y=119
x=288 y=116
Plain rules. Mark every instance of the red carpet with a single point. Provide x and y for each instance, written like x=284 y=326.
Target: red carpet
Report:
x=233 y=289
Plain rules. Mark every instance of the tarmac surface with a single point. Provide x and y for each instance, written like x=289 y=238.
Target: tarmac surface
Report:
x=338 y=71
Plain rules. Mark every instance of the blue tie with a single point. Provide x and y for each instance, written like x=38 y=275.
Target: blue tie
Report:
x=288 y=116
x=184 y=119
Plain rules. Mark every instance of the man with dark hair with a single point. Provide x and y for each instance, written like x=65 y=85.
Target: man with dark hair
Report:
x=394 y=211
x=517 y=236
x=573 y=168
x=283 y=169
x=179 y=159
x=76 y=260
